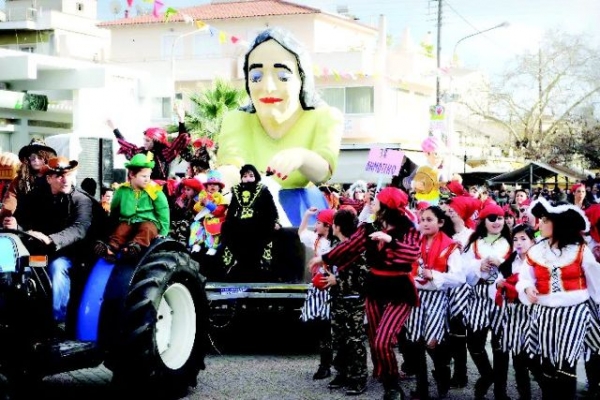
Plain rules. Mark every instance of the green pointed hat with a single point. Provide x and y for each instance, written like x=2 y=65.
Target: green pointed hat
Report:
x=141 y=160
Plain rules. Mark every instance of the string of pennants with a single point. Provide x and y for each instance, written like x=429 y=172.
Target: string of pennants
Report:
x=223 y=37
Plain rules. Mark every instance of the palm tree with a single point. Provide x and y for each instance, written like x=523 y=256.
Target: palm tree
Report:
x=210 y=106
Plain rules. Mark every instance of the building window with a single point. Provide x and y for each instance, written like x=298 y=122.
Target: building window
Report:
x=79 y=6
x=161 y=108
x=167 y=49
x=350 y=100
x=27 y=49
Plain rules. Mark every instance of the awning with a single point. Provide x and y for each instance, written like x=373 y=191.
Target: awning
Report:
x=536 y=172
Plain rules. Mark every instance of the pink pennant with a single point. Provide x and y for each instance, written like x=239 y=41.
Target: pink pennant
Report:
x=129 y=3
x=157 y=6
x=234 y=39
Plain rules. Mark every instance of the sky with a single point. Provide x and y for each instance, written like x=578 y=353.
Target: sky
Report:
x=527 y=21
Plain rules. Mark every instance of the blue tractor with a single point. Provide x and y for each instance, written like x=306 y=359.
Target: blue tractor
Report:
x=146 y=320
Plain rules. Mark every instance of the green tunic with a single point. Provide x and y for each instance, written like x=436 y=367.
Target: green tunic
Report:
x=134 y=206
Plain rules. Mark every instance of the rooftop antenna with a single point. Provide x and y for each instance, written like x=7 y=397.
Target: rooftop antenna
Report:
x=116 y=8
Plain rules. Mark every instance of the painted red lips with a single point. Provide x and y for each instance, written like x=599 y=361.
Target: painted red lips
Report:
x=270 y=100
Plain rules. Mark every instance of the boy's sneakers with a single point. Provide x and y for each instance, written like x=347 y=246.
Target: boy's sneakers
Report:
x=132 y=250
x=101 y=250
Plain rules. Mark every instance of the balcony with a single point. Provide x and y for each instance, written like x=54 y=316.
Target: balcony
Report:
x=19 y=18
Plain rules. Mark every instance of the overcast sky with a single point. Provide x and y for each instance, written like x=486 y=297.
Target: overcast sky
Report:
x=527 y=19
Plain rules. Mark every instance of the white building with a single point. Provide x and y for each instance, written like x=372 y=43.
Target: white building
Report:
x=384 y=91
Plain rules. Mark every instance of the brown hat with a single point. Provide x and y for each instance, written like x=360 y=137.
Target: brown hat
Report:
x=35 y=146
x=59 y=165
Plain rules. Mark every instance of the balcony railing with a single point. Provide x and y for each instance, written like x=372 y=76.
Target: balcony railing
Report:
x=22 y=14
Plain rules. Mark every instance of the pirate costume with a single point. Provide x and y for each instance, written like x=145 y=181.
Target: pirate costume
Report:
x=317 y=304
x=565 y=279
x=479 y=315
x=427 y=324
x=465 y=207
x=511 y=328
x=390 y=291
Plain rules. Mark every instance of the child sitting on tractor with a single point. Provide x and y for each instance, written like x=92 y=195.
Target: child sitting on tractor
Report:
x=141 y=208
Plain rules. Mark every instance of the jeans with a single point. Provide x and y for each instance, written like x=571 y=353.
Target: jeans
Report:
x=61 y=287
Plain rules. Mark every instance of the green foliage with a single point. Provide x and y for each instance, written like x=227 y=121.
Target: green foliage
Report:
x=210 y=107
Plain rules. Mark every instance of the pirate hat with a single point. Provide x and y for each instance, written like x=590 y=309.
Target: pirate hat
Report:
x=36 y=145
x=561 y=215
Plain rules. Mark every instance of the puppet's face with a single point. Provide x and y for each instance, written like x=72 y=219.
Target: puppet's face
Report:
x=434 y=158
x=274 y=81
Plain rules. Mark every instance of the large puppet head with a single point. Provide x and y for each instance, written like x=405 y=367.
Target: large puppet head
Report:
x=434 y=150
x=279 y=77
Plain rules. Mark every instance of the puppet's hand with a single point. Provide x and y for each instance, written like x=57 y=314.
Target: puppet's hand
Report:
x=286 y=161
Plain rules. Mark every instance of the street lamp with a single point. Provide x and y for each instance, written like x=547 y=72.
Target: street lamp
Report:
x=502 y=25
x=175 y=41
x=451 y=127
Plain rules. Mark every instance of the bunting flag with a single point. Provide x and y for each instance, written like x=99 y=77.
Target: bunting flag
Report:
x=156 y=9
x=169 y=12
x=224 y=37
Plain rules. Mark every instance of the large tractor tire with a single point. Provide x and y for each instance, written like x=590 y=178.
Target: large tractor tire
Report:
x=164 y=337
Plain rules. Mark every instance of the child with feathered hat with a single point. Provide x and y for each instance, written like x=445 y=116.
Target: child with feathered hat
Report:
x=210 y=209
x=141 y=208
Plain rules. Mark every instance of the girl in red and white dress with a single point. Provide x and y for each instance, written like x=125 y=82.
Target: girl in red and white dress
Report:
x=487 y=248
x=439 y=269
x=460 y=209
x=512 y=325
x=592 y=358
x=559 y=277
x=316 y=308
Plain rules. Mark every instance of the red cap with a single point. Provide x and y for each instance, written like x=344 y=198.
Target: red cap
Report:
x=326 y=216
x=393 y=198
x=593 y=214
x=576 y=186
x=422 y=205
x=456 y=188
x=158 y=134
x=491 y=209
x=465 y=206
x=193 y=183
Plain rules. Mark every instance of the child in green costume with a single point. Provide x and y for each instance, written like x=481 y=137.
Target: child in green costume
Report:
x=142 y=210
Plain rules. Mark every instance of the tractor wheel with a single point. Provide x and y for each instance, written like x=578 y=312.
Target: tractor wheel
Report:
x=165 y=324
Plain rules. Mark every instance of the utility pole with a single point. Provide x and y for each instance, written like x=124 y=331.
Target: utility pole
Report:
x=438 y=52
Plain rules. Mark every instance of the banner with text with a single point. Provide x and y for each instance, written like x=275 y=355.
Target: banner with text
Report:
x=384 y=161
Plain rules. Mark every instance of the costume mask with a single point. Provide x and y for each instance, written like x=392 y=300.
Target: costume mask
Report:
x=274 y=82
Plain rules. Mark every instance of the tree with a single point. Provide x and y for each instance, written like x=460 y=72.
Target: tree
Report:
x=537 y=97
x=211 y=105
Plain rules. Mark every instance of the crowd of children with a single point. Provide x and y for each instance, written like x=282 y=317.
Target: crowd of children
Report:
x=437 y=279
x=525 y=276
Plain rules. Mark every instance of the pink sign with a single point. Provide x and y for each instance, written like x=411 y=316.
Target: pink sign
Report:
x=384 y=161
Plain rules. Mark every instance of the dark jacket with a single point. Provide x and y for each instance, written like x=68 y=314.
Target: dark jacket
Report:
x=65 y=218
